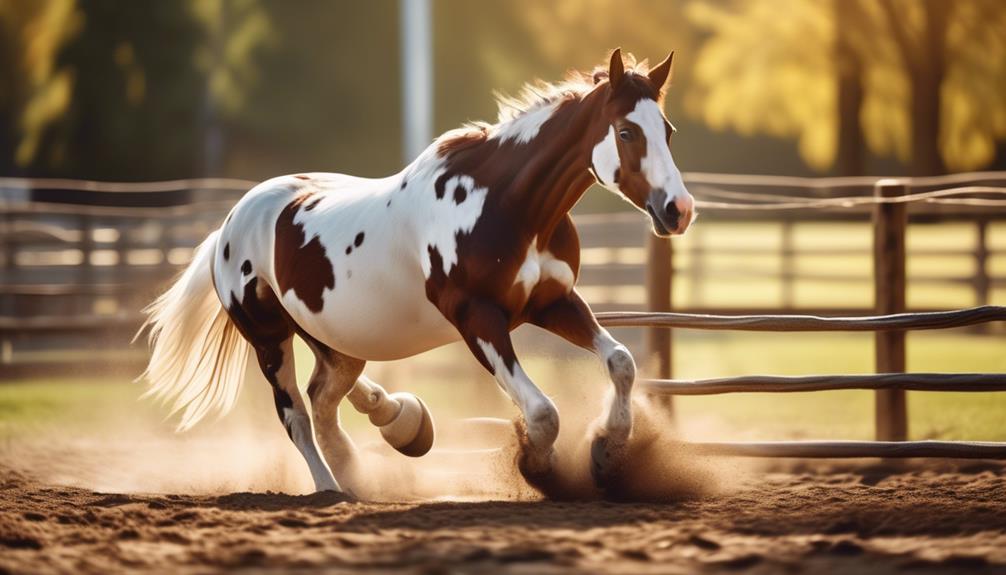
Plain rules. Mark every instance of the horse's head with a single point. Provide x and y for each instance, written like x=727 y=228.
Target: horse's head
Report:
x=633 y=156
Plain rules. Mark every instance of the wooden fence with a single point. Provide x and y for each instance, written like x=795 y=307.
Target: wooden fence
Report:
x=78 y=260
x=890 y=201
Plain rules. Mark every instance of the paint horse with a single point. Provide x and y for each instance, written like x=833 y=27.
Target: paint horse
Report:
x=468 y=242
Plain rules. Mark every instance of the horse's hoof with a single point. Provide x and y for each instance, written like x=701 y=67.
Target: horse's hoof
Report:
x=541 y=475
x=411 y=432
x=534 y=467
x=606 y=458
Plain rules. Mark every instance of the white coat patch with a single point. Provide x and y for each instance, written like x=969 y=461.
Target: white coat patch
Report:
x=525 y=127
x=445 y=218
x=542 y=266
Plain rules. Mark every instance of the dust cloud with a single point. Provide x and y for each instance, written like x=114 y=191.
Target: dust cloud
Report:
x=131 y=449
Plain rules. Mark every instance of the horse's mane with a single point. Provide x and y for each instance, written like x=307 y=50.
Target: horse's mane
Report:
x=532 y=96
x=576 y=84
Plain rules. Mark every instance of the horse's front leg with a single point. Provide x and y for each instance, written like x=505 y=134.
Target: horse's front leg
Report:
x=485 y=328
x=570 y=317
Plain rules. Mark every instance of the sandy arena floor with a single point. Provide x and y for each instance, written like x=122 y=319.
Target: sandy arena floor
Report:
x=129 y=495
x=870 y=520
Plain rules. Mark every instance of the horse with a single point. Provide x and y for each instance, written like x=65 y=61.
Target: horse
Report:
x=469 y=241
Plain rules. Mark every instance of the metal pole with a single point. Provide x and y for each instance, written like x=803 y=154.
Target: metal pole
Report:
x=417 y=77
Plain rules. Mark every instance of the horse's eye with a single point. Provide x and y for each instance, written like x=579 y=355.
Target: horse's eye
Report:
x=625 y=135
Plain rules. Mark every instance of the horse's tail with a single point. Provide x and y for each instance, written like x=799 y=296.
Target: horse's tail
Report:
x=198 y=356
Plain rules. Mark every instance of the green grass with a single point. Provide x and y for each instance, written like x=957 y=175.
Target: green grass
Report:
x=719 y=239
x=71 y=404
x=837 y=414
x=453 y=385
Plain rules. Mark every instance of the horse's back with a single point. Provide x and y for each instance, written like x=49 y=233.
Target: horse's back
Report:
x=340 y=258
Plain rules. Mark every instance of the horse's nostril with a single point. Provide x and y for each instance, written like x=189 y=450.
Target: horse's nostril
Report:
x=673 y=215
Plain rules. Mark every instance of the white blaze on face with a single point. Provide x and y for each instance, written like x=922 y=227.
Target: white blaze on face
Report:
x=604 y=158
x=657 y=165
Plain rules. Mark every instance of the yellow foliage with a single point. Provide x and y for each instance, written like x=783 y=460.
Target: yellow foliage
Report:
x=43 y=27
x=769 y=67
x=48 y=102
x=577 y=33
x=136 y=79
x=235 y=29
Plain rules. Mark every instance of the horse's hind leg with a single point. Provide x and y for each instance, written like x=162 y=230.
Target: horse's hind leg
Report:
x=333 y=377
x=261 y=320
x=277 y=364
x=404 y=420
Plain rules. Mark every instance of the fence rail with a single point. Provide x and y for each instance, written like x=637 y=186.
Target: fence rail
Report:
x=81 y=258
x=890 y=383
x=882 y=382
x=803 y=383
x=898 y=321
x=853 y=449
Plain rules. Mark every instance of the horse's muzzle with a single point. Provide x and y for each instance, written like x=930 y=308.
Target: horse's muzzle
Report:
x=670 y=217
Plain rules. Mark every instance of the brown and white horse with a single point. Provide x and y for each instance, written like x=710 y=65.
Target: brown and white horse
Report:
x=468 y=242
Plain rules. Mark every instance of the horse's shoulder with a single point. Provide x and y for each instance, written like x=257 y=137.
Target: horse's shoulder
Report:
x=563 y=243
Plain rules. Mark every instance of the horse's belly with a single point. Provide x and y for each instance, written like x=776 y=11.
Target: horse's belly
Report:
x=376 y=316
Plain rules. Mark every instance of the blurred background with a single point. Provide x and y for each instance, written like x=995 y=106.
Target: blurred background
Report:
x=242 y=90
x=127 y=90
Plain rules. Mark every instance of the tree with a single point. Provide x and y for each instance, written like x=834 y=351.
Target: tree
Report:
x=34 y=91
x=235 y=30
x=930 y=79
x=112 y=89
x=577 y=33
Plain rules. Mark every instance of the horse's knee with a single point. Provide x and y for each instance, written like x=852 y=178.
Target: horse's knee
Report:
x=621 y=368
x=542 y=423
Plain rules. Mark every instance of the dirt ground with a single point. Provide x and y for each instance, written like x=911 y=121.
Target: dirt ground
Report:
x=815 y=520
x=130 y=495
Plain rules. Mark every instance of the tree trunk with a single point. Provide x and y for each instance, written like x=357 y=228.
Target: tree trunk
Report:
x=849 y=68
x=926 y=81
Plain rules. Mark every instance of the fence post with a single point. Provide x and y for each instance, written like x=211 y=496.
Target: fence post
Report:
x=83 y=302
x=787 y=265
x=982 y=281
x=890 y=222
x=7 y=304
x=659 y=270
x=697 y=271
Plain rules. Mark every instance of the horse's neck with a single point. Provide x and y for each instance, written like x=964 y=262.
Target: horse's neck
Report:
x=555 y=172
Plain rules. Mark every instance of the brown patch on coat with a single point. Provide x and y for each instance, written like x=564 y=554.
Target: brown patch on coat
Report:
x=262 y=321
x=301 y=265
x=462 y=140
x=312 y=204
x=531 y=188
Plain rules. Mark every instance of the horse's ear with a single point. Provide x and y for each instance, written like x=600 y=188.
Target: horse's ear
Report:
x=616 y=69
x=658 y=75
